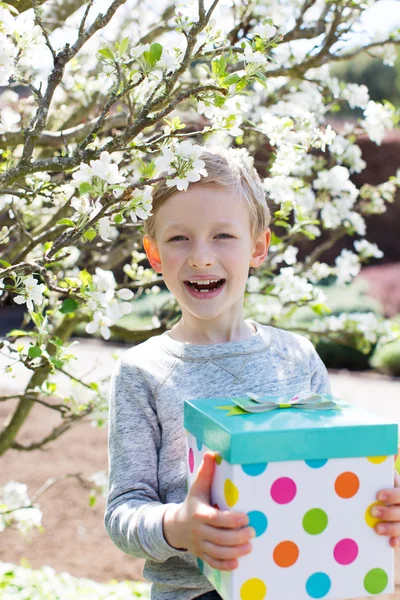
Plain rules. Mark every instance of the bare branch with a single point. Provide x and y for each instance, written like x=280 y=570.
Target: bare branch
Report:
x=55 y=139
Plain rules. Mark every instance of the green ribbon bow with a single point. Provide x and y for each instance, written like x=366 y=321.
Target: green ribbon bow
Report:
x=304 y=400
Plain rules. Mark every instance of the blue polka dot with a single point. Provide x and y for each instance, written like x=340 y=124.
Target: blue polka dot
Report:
x=217 y=579
x=255 y=469
x=316 y=463
x=201 y=564
x=318 y=585
x=199 y=444
x=258 y=520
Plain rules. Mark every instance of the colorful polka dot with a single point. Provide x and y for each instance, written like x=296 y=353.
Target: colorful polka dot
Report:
x=231 y=493
x=345 y=551
x=376 y=581
x=316 y=463
x=286 y=554
x=218 y=459
x=347 y=485
x=315 y=521
x=191 y=460
x=258 y=520
x=217 y=579
x=370 y=520
x=283 y=490
x=253 y=589
x=376 y=460
x=318 y=585
x=200 y=564
x=199 y=444
x=255 y=469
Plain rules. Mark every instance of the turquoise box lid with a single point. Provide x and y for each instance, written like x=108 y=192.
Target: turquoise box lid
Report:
x=285 y=433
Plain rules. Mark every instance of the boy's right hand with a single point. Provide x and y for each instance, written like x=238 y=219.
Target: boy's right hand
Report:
x=218 y=537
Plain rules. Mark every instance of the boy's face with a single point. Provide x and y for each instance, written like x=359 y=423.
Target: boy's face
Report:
x=205 y=232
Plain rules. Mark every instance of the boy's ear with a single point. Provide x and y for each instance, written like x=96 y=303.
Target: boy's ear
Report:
x=260 y=249
x=152 y=252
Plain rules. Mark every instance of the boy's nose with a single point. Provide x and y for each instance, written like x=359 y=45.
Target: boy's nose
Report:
x=200 y=257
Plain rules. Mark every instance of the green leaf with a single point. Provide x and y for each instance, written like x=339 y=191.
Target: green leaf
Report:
x=5 y=264
x=57 y=362
x=282 y=224
x=153 y=55
x=233 y=78
x=34 y=352
x=118 y=218
x=92 y=497
x=86 y=188
x=123 y=46
x=275 y=240
x=90 y=234
x=69 y=306
x=85 y=277
x=321 y=309
x=106 y=53
x=47 y=246
x=36 y=318
x=17 y=333
x=51 y=387
x=12 y=9
x=68 y=222
x=94 y=386
x=219 y=101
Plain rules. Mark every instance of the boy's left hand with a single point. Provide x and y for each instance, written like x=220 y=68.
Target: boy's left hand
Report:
x=390 y=513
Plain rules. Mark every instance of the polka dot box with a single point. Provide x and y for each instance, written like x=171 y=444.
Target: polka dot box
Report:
x=307 y=480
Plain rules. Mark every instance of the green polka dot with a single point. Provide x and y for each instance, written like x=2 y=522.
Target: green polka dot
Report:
x=217 y=579
x=315 y=521
x=375 y=581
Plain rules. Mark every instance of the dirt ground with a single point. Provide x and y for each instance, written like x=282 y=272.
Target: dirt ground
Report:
x=75 y=539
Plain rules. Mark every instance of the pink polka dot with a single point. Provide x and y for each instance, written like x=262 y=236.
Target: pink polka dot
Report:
x=346 y=551
x=191 y=460
x=283 y=490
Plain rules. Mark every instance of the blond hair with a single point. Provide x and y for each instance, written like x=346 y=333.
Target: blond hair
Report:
x=226 y=167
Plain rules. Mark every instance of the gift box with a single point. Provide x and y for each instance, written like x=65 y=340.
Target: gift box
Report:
x=306 y=470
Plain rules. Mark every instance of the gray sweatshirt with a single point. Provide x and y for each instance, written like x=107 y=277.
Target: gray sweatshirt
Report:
x=147 y=440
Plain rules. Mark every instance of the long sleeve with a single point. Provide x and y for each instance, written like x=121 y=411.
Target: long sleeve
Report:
x=134 y=513
x=319 y=375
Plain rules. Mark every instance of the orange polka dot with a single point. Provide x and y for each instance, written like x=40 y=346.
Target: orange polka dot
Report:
x=347 y=485
x=285 y=554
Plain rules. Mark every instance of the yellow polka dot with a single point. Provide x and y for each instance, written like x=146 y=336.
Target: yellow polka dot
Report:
x=231 y=493
x=370 y=520
x=376 y=460
x=253 y=589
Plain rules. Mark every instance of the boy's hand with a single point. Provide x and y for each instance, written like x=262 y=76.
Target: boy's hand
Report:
x=390 y=513
x=218 y=537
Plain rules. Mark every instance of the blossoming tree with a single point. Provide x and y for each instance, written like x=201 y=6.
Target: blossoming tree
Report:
x=112 y=99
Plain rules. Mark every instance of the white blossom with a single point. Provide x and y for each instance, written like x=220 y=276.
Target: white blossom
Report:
x=265 y=31
x=101 y=322
x=356 y=95
x=183 y=158
x=33 y=293
x=347 y=266
x=378 y=119
x=366 y=249
x=105 y=169
x=105 y=229
x=253 y=284
x=290 y=287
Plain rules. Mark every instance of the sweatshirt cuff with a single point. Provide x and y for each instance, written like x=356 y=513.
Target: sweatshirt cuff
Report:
x=164 y=550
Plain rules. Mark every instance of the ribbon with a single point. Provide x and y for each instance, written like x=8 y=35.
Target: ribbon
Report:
x=305 y=400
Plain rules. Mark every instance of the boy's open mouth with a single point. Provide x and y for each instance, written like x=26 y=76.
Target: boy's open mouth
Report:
x=205 y=288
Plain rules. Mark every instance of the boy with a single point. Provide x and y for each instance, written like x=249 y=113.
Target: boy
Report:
x=203 y=241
